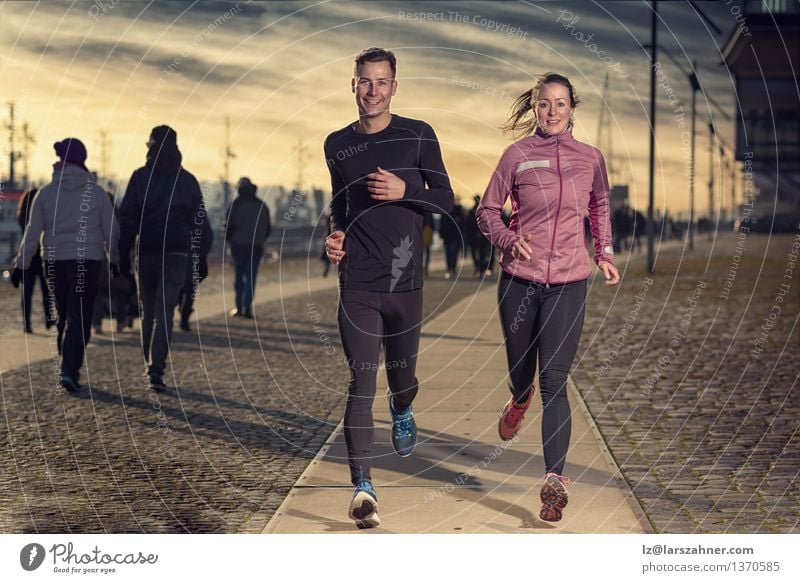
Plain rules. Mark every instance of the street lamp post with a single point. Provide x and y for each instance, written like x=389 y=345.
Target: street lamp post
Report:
x=711 y=133
x=692 y=173
x=651 y=184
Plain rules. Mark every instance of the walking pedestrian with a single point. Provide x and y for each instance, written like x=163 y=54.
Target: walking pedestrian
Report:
x=450 y=230
x=377 y=209
x=196 y=267
x=157 y=219
x=246 y=230
x=427 y=241
x=481 y=247
x=77 y=220
x=552 y=179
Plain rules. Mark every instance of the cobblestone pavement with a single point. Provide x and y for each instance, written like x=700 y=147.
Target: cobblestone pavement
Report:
x=692 y=377
x=254 y=403
x=219 y=278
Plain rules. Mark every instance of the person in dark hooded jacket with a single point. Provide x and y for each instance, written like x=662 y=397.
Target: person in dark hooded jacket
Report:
x=246 y=229
x=157 y=219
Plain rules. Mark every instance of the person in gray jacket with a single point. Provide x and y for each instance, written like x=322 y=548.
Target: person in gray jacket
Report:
x=247 y=227
x=77 y=220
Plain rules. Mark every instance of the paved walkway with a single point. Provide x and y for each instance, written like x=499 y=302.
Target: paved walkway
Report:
x=250 y=403
x=691 y=379
x=461 y=478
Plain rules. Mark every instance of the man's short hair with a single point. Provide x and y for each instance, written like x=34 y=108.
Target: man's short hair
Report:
x=374 y=55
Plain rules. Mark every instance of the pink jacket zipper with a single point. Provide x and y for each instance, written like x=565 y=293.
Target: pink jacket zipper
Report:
x=558 y=210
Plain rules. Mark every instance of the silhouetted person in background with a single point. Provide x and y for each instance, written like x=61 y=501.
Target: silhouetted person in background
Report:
x=450 y=230
x=124 y=301
x=36 y=270
x=622 y=220
x=639 y=230
x=78 y=223
x=196 y=267
x=427 y=240
x=102 y=303
x=481 y=246
x=246 y=230
x=160 y=207
x=326 y=263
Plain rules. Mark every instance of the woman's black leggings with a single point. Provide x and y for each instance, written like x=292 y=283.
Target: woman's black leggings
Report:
x=543 y=322
x=367 y=320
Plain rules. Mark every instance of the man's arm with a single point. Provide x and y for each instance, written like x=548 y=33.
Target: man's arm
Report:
x=130 y=217
x=438 y=196
x=338 y=194
x=109 y=226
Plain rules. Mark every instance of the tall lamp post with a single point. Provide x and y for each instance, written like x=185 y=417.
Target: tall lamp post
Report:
x=693 y=80
x=651 y=180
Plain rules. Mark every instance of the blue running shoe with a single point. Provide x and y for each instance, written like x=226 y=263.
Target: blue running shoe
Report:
x=364 y=506
x=404 y=430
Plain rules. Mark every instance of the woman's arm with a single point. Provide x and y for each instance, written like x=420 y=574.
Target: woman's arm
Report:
x=599 y=213
x=600 y=222
x=490 y=210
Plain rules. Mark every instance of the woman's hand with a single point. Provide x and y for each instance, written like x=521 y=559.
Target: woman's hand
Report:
x=334 y=247
x=610 y=272
x=520 y=250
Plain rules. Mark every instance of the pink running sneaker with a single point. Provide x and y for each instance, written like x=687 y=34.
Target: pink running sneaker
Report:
x=554 y=497
x=512 y=416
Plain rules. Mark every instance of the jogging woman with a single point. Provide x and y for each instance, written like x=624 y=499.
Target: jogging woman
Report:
x=552 y=180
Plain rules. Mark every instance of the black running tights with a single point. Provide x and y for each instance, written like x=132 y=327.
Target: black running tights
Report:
x=368 y=320
x=543 y=323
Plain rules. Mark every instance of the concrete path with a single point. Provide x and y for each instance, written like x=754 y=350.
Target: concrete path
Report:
x=461 y=477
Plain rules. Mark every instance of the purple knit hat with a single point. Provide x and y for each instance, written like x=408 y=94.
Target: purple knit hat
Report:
x=71 y=150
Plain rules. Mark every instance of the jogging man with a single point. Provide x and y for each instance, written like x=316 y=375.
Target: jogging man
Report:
x=386 y=172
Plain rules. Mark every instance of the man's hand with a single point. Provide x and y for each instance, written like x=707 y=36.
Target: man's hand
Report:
x=334 y=247
x=610 y=272
x=383 y=185
x=16 y=277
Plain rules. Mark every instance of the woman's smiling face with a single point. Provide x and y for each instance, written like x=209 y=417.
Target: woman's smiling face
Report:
x=553 y=108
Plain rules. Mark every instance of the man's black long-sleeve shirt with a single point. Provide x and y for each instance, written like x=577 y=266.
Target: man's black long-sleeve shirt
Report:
x=383 y=240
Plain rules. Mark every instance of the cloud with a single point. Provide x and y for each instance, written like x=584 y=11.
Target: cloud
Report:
x=281 y=71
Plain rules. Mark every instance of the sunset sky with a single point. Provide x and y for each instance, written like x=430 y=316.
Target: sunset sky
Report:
x=281 y=71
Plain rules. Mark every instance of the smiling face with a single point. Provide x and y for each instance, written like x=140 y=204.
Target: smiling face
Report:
x=553 y=108
x=374 y=87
